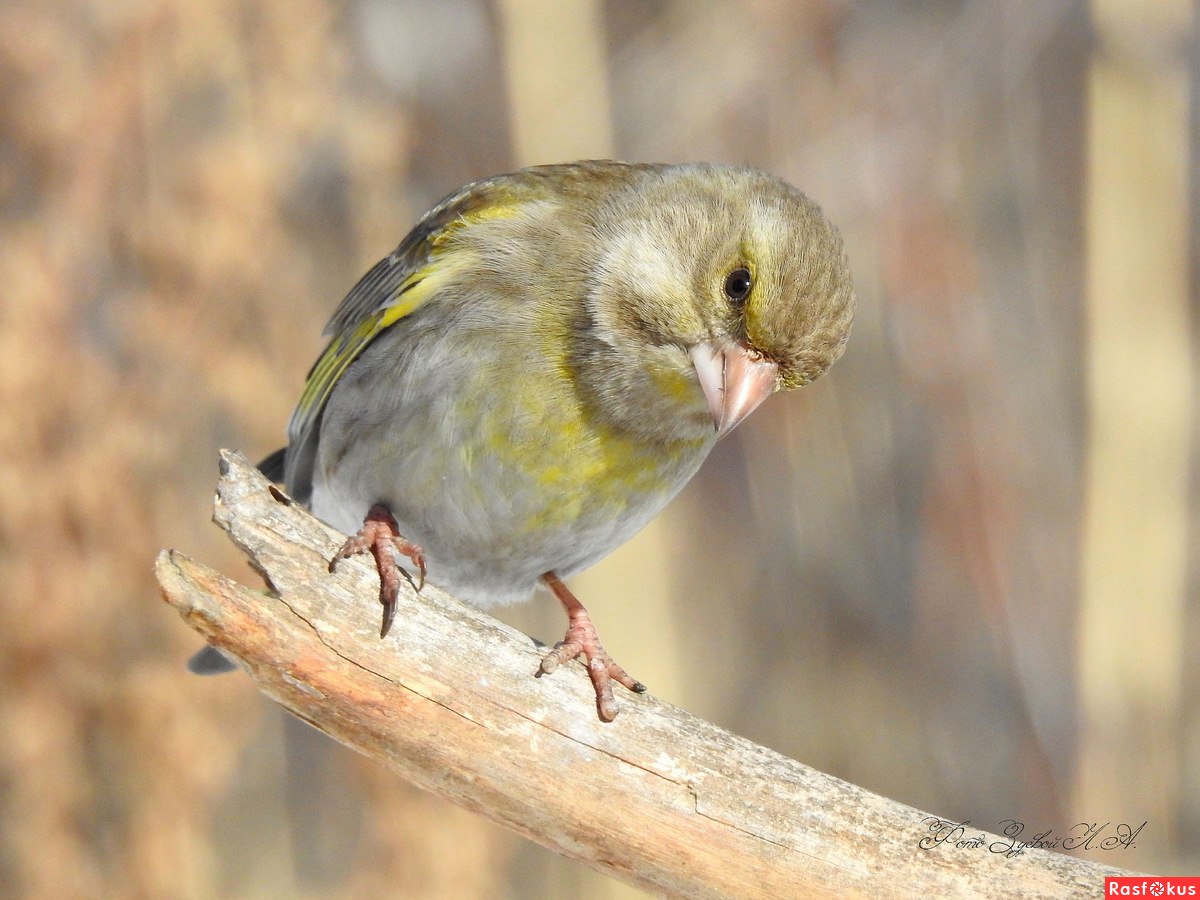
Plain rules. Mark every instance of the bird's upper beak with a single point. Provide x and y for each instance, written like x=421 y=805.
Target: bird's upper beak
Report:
x=735 y=379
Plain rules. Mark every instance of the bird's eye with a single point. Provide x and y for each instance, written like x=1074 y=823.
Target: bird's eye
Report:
x=738 y=284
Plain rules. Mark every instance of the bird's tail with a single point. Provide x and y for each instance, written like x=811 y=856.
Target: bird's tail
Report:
x=272 y=465
x=211 y=661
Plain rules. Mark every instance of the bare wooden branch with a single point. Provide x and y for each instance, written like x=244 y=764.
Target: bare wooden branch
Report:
x=658 y=798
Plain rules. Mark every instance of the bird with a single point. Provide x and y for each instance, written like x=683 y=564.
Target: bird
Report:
x=542 y=364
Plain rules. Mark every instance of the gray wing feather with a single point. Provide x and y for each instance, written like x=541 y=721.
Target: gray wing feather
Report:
x=373 y=292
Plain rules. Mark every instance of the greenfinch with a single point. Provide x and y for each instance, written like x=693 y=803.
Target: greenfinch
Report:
x=543 y=363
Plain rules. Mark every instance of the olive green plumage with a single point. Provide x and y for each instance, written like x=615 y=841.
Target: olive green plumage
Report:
x=518 y=381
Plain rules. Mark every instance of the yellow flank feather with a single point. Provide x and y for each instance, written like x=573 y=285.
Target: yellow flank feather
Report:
x=581 y=462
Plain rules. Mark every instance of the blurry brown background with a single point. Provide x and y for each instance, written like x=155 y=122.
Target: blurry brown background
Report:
x=961 y=570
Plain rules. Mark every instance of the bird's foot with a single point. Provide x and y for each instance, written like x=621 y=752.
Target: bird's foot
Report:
x=379 y=535
x=582 y=640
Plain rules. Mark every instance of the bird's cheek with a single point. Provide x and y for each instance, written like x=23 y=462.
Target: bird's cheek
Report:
x=678 y=386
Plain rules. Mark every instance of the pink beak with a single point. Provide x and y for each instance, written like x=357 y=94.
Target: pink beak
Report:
x=735 y=381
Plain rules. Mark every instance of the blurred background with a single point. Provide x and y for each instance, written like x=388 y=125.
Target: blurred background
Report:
x=961 y=570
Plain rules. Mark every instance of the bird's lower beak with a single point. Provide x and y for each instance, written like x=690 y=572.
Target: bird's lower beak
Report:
x=735 y=381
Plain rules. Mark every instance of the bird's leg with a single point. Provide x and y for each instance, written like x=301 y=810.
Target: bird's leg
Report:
x=379 y=535
x=581 y=640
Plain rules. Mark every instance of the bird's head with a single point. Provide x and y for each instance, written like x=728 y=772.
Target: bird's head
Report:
x=715 y=287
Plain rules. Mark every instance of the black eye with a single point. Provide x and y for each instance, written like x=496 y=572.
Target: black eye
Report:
x=737 y=285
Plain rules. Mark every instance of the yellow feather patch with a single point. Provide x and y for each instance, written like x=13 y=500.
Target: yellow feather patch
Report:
x=415 y=291
x=488 y=212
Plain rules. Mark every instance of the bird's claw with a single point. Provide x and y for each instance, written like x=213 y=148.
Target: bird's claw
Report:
x=379 y=535
x=581 y=640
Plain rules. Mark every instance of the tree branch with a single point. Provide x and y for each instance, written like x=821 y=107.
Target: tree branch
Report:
x=449 y=700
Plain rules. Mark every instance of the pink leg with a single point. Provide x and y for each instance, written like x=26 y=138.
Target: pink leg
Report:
x=582 y=640
x=379 y=534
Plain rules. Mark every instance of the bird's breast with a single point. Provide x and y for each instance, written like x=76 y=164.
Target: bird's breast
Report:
x=500 y=470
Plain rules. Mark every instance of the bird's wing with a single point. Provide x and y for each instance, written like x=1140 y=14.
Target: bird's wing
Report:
x=409 y=277
x=395 y=287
